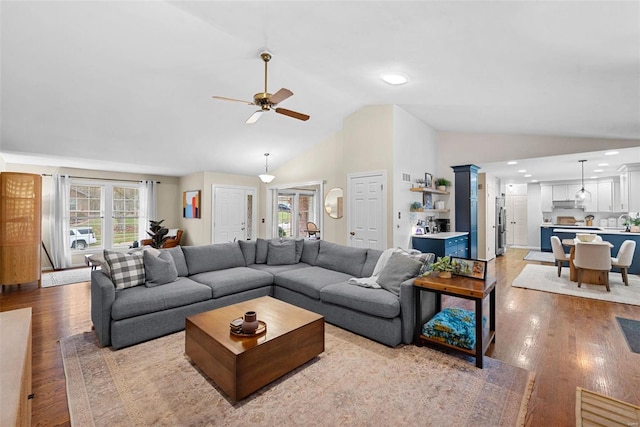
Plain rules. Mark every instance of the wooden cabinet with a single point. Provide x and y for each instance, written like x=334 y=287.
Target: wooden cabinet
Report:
x=20 y=228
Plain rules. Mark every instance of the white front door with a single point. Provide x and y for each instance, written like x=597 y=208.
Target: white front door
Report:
x=233 y=217
x=366 y=211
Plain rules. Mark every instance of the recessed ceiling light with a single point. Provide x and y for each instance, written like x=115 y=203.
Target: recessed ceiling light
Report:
x=512 y=162
x=611 y=153
x=603 y=164
x=597 y=170
x=528 y=175
x=534 y=180
x=395 y=78
x=522 y=171
x=593 y=177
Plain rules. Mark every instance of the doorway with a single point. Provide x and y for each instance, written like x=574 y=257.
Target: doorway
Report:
x=367 y=210
x=516 y=206
x=233 y=214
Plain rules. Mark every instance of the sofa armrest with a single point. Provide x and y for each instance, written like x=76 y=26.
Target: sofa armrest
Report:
x=103 y=294
x=408 y=308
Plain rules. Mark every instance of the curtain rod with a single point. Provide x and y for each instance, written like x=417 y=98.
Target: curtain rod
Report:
x=103 y=179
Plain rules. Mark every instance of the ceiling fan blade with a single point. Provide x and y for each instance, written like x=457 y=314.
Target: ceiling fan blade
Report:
x=254 y=117
x=293 y=114
x=280 y=96
x=233 y=100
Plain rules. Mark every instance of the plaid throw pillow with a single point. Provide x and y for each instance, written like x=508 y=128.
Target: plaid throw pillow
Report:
x=127 y=270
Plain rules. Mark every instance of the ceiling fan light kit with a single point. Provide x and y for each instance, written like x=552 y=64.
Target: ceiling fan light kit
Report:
x=267 y=101
x=265 y=177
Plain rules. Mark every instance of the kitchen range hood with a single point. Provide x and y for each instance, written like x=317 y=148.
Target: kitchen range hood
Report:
x=567 y=204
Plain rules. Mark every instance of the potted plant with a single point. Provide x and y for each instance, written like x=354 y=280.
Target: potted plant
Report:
x=415 y=207
x=158 y=233
x=634 y=224
x=443 y=266
x=442 y=184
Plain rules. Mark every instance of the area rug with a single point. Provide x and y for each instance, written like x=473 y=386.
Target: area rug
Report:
x=540 y=256
x=631 y=331
x=356 y=381
x=66 y=277
x=545 y=278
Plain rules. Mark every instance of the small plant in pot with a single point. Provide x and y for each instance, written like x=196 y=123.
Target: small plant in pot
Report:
x=443 y=266
x=158 y=233
x=415 y=207
x=634 y=224
x=442 y=184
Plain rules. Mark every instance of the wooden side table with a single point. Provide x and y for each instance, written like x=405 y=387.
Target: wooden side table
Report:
x=461 y=287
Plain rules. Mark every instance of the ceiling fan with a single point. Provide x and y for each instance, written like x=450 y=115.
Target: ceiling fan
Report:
x=267 y=101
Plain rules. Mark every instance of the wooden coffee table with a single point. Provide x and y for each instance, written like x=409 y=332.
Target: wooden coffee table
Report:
x=241 y=365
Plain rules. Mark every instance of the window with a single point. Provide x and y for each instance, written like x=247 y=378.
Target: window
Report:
x=103 y=215
x=296 y=207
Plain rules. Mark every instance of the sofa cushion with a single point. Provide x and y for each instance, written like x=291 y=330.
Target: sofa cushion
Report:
x=376 y=302
x=309 y=281
x=213 y=257
x=159 y=270
x=310 y=251
x=233 y=280
x=178 y=259
x=399 y=268
x=127 y=270
x=262 y=247
x=281 y=252
x=248 y=248
x=299 y=249
x=341 y=258
x=140 y=300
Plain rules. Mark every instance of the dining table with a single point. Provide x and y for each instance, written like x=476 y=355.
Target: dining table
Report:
x=589 y=276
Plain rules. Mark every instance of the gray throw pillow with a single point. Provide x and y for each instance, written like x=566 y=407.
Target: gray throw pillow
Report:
x=248 y=248
x=281 y=252
x=262 y=247
x=127 y=270
x=178 y=260
x=398 y=269
x=160 y=269
x=299 y=248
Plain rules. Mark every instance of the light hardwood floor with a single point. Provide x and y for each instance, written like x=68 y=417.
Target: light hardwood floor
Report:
x=566 y=341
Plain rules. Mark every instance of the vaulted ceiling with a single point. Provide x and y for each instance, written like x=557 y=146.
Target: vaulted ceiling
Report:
x=127 y=85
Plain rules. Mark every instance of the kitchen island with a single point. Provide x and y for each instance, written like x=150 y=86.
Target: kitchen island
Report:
x=611 y=235
x=449 y=243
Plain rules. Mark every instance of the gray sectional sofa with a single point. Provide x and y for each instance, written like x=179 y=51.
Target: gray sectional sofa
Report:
x=314 y=275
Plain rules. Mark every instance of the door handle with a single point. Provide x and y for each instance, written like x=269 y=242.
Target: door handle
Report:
x=353 y=233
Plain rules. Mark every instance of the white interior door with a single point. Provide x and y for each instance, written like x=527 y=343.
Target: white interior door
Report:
x=233 y=217
x=490 y=227
x=366 y=210
x=516 y=220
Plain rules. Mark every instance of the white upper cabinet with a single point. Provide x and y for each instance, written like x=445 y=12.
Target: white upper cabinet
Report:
x=605 y=196
x=630 y=188
x=546 y=198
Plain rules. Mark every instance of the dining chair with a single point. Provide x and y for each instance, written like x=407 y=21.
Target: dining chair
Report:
x=593 y=256
x=558 y=253
x=313 y=230
x=624 y=259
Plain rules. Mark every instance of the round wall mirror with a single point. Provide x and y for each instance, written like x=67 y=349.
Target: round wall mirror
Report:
x=333 y=202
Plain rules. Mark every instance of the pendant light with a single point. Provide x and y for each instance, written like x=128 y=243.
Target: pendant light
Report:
x=582 y=196
x=265 y=177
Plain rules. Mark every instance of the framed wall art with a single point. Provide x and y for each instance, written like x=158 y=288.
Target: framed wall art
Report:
x=191 y=204
x=428 y=180
x=474 y=268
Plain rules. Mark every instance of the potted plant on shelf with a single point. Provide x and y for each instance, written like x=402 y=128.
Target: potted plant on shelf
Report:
x=443 y=266
x=442 y=184
x=416 y=207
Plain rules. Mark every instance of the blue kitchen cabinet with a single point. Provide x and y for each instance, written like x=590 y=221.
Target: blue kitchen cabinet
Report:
x=456 y=246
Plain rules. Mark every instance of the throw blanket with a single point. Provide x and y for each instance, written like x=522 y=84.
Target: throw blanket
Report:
x=453 y=326
x=371 y=282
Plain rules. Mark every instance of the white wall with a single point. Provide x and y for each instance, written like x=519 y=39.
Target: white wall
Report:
x=414 y=152
x=534 y=214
